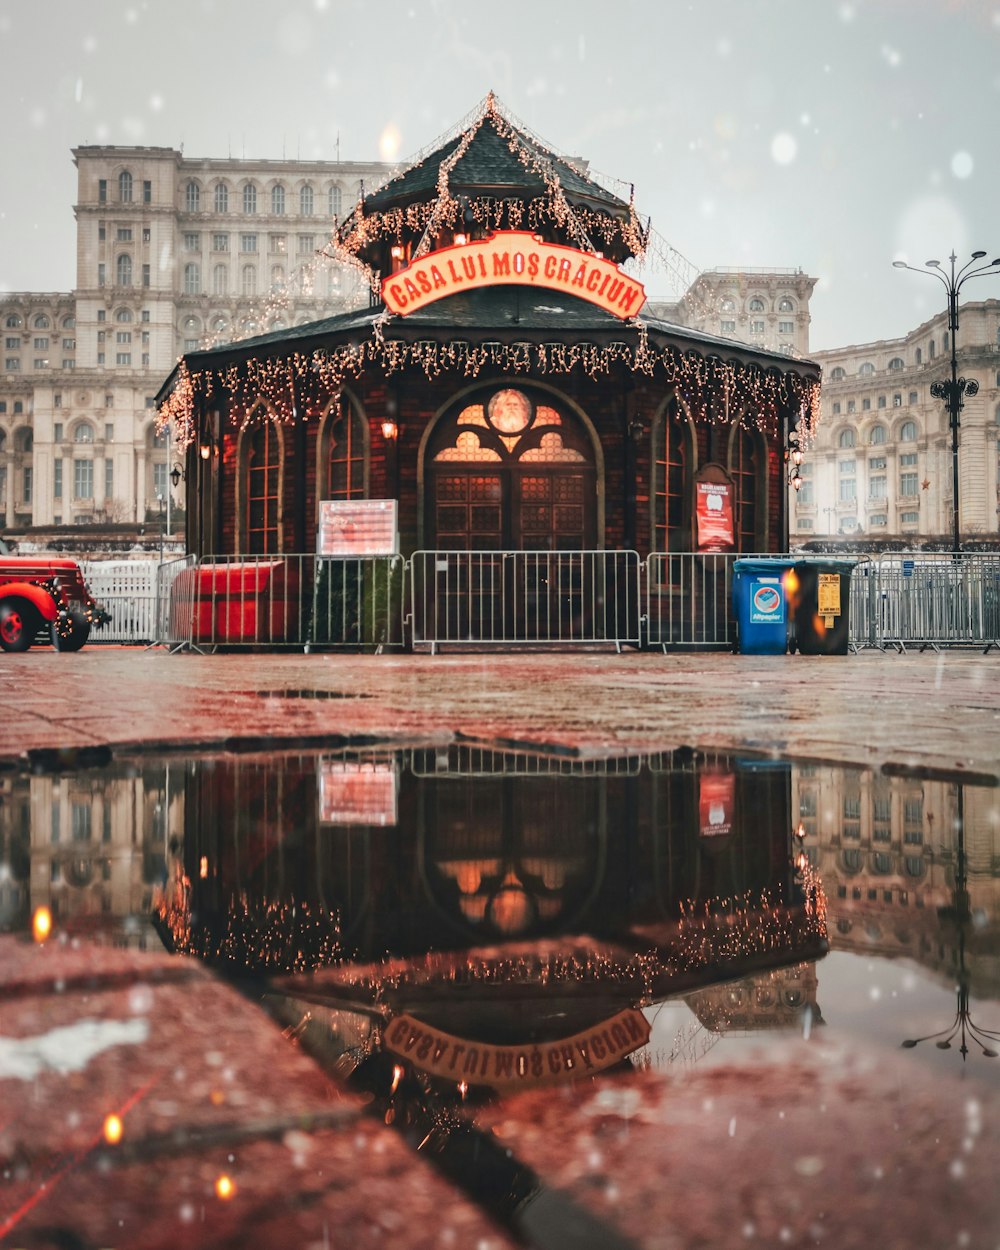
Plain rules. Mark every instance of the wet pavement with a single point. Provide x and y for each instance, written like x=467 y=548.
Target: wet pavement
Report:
x=477 y=951
x=927 y=710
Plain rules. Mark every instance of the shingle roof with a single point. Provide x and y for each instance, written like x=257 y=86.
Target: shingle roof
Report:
x=488 y=166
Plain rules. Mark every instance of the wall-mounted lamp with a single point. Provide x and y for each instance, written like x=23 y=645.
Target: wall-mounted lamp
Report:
x=205 y=451
x=390 y=430
x=636 y=429
x=177 y=475
x=397 y=252
x=460 y=239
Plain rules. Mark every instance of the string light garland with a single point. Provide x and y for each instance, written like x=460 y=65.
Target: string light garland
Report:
x=712 y=390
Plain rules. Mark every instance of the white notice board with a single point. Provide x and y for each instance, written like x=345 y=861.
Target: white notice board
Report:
x=357 y=527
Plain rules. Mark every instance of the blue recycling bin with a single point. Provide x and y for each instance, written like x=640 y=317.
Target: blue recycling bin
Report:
x=760 y=606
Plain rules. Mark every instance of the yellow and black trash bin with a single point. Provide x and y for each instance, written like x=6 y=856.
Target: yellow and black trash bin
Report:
x=819 y=606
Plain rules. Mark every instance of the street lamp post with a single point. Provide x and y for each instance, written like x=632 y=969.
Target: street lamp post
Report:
x=952 y=390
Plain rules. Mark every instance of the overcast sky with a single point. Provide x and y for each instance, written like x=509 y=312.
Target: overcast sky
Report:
x=828 y=135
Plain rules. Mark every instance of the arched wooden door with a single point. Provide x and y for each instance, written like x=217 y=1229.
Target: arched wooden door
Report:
x=508 y=470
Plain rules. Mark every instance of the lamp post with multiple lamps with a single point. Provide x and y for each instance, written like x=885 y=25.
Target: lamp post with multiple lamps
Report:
x=952 y=390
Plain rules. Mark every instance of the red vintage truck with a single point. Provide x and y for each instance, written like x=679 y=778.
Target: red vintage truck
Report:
x=45 y=593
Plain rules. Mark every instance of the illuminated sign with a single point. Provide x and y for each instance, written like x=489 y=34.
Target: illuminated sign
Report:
x=357 y=527
x=716 y=804
x=513 y=257
x=505 y=1067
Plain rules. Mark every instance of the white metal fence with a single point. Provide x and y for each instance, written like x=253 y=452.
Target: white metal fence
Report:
x=561 y=598
x=517 y=597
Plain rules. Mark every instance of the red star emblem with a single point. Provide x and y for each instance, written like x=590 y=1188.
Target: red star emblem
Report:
x=925 y=483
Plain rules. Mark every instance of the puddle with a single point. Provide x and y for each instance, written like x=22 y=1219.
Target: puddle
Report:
x=451 y=929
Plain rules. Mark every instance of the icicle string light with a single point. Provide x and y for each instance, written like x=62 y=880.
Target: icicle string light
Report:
x=712 y=390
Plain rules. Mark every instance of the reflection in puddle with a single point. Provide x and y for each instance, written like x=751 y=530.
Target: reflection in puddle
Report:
x=449 y=930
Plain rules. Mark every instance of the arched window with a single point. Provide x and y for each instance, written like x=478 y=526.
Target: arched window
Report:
x=278 y=199
x=877 y=435
x=866 y=369
x=920 y=356
x=249 y=280
x=220 y=280
x=221 y=198
x=123 y=270
x=277 y=278
x=785 y=305
x=125 y=187
x=671 y=460
x=306 y=201
x=851 y=860
x=745 y=469
x=944 y=344
x=930 y=350
x=83 y=432
x=192 y=279
x=192 y=198
x=756 y=305
x=123 y=315
x=249 y=199
x=727 y=306
x=838 y=374
x=346 y=465
x=42 y=322
x=896 y=363
x=335 y=201
x=908 y=432
x=846 y=438
x=262 y=489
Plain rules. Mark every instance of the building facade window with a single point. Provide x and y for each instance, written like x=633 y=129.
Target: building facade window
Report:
x=727 y=327
x=908 y=432
x=192 y=198
x=249 y=280
x=221 y=198
x=123 y=270
x=83 y=479
x=57 y=478
x=306 y=201
x=248 y=243
x=220 y=242
x=334 y=201
x=102 y=191
x=249 y=199
x=756 y=305
x=877 y=435
x=125 y=187
x=785 y=305
x=895 y=363
x=278 y=199
x=908 y=484
x=756 y=327
x=846 y=439
x=192 y=242
x=306 y=244
x=910 y=518
x=838 y=374
x=192 y=279
x=147 y=192
x=220 y=280
x=866 y=369
x=786 y=327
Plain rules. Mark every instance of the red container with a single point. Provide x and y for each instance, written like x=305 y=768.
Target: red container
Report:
x=221 y=604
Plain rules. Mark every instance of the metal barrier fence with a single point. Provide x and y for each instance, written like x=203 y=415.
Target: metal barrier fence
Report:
x=689 y=601
x=568 y=598
x=937 y=600
x=126 y=589
x=304 y=601
x=518 y=597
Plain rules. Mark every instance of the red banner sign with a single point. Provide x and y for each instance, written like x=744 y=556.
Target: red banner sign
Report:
x=513 y=257
x=714 y=516
x=504 y=1067
x=716 y=804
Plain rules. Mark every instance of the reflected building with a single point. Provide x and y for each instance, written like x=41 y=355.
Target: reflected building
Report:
x=95 y=845
x=886 y=848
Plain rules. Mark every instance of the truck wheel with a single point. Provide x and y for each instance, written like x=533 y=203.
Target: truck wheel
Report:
x=18 y=625
x=76 y=635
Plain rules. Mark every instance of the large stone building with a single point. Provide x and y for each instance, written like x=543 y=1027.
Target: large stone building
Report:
x=881 y=467
x=173 y=252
